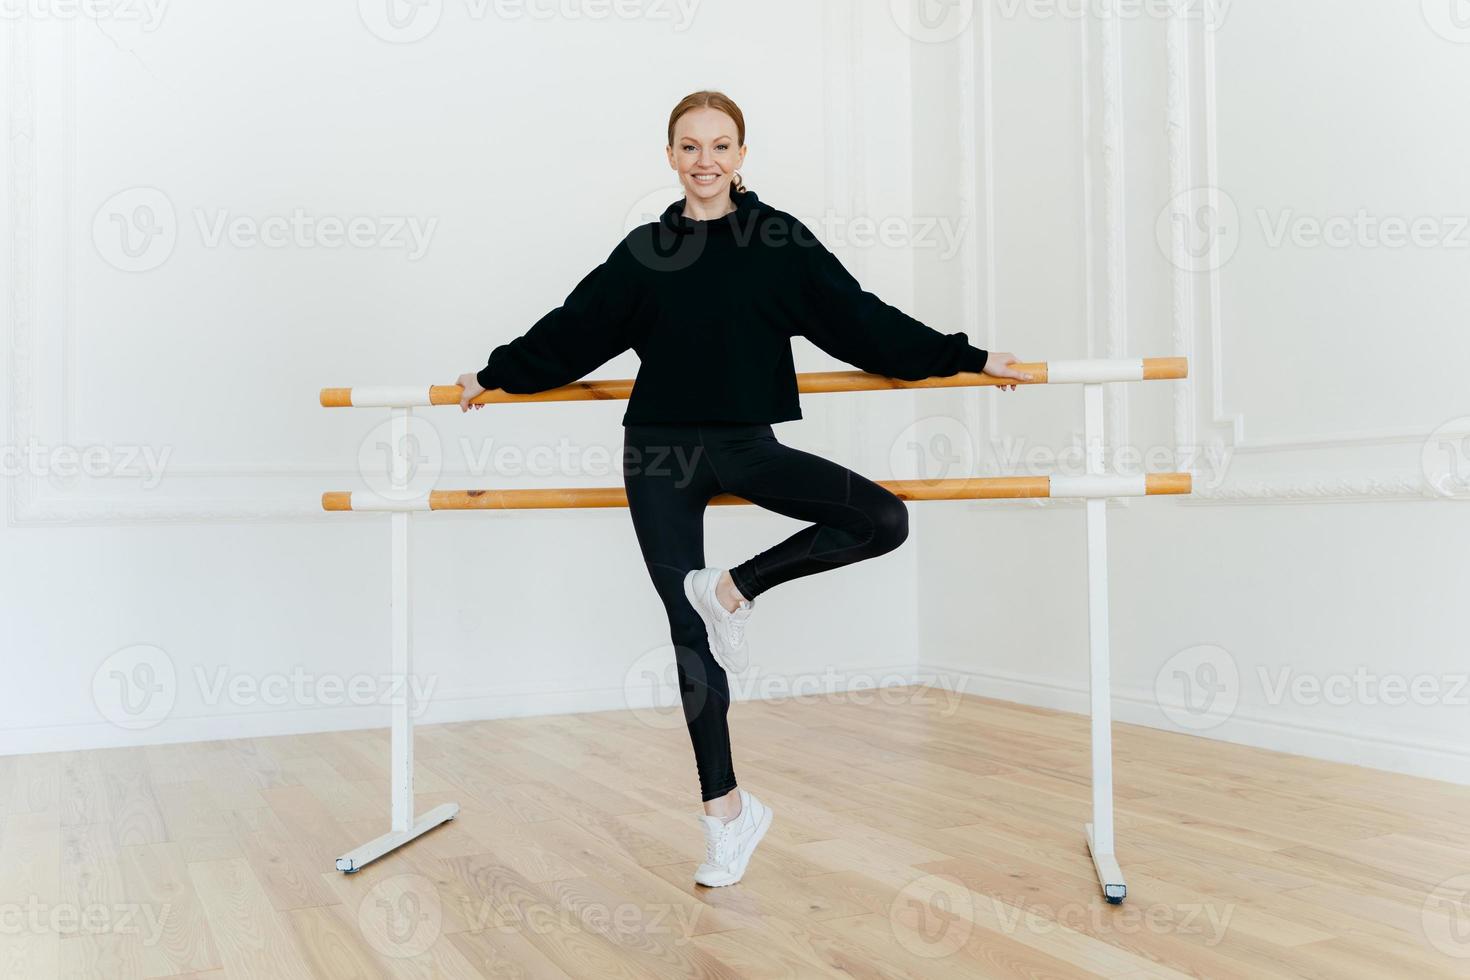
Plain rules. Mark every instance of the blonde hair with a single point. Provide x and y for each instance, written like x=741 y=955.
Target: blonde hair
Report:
x=712 y=100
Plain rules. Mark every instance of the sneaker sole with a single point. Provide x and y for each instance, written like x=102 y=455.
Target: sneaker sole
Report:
x=739 y=872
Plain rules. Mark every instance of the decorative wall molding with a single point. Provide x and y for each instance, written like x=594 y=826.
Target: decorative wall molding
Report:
x=1193 y=131
x=1110 y=150
x=1114 y=153
x=977 y=185
x=29 y=506
x=845 y=184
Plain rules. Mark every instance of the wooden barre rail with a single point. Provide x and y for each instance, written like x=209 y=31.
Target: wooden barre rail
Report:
x=1044 y=372
x=976 y=488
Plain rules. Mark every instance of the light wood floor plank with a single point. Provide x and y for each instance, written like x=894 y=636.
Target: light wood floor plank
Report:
x=254 y=941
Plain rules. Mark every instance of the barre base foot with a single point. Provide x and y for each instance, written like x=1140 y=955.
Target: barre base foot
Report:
x=354 y=860
x=1109 y=875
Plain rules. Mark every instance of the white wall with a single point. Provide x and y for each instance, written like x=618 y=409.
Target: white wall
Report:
x=520 y=148
x=1309 y=596
x=1019 y=164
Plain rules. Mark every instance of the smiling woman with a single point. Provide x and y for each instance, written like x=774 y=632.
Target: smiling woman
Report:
x=709 y=296
x=705 y=151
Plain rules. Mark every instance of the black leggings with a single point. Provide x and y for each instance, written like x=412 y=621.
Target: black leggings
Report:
x=671 y=472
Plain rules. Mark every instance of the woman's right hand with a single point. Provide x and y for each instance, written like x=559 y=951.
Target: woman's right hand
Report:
x=471 y=385
x=998 y=365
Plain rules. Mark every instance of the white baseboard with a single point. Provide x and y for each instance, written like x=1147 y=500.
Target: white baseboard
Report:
x=466 y=705
x=1414 y=757
x=1393 y=753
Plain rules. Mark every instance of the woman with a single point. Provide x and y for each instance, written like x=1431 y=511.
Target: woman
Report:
x=709 y=296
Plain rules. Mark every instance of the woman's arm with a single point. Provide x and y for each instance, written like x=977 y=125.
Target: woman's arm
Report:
x=596 y=323
x=855 y=326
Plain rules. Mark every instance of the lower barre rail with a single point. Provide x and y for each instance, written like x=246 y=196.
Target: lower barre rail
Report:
x=972 y=488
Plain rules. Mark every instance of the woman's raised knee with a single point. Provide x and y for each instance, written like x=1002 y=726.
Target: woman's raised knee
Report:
x=890 y=525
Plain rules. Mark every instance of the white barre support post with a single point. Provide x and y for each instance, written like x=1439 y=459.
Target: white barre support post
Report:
x=1100 y=831
x=404 y=827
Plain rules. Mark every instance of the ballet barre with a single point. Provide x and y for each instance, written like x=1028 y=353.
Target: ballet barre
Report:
x=816 y=382
x=1096 y=486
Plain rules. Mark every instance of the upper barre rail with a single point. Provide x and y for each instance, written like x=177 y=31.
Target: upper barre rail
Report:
x=1043 y=372
x=967 y=488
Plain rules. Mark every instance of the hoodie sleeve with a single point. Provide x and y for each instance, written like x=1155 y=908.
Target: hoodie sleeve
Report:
x=595 y=324
x=855 y=326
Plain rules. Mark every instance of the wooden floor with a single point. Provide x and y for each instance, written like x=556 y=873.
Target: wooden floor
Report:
x=916 y=837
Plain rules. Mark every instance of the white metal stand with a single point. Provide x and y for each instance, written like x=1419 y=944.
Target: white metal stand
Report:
x=405 y=827
x=1100 y=831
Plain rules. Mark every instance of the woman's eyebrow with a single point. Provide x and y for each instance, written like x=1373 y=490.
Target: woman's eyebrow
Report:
x=691 y=139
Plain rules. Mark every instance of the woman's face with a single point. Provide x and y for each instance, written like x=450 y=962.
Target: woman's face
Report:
x=705 y=153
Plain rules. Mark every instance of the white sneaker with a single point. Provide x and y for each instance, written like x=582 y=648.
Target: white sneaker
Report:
x=725 y=629
x=729 y=846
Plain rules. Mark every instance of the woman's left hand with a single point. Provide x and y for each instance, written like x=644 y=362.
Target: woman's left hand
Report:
x=471 y=385
x=998 y=365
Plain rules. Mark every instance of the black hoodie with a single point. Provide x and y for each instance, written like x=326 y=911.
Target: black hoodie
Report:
x=711 y=307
